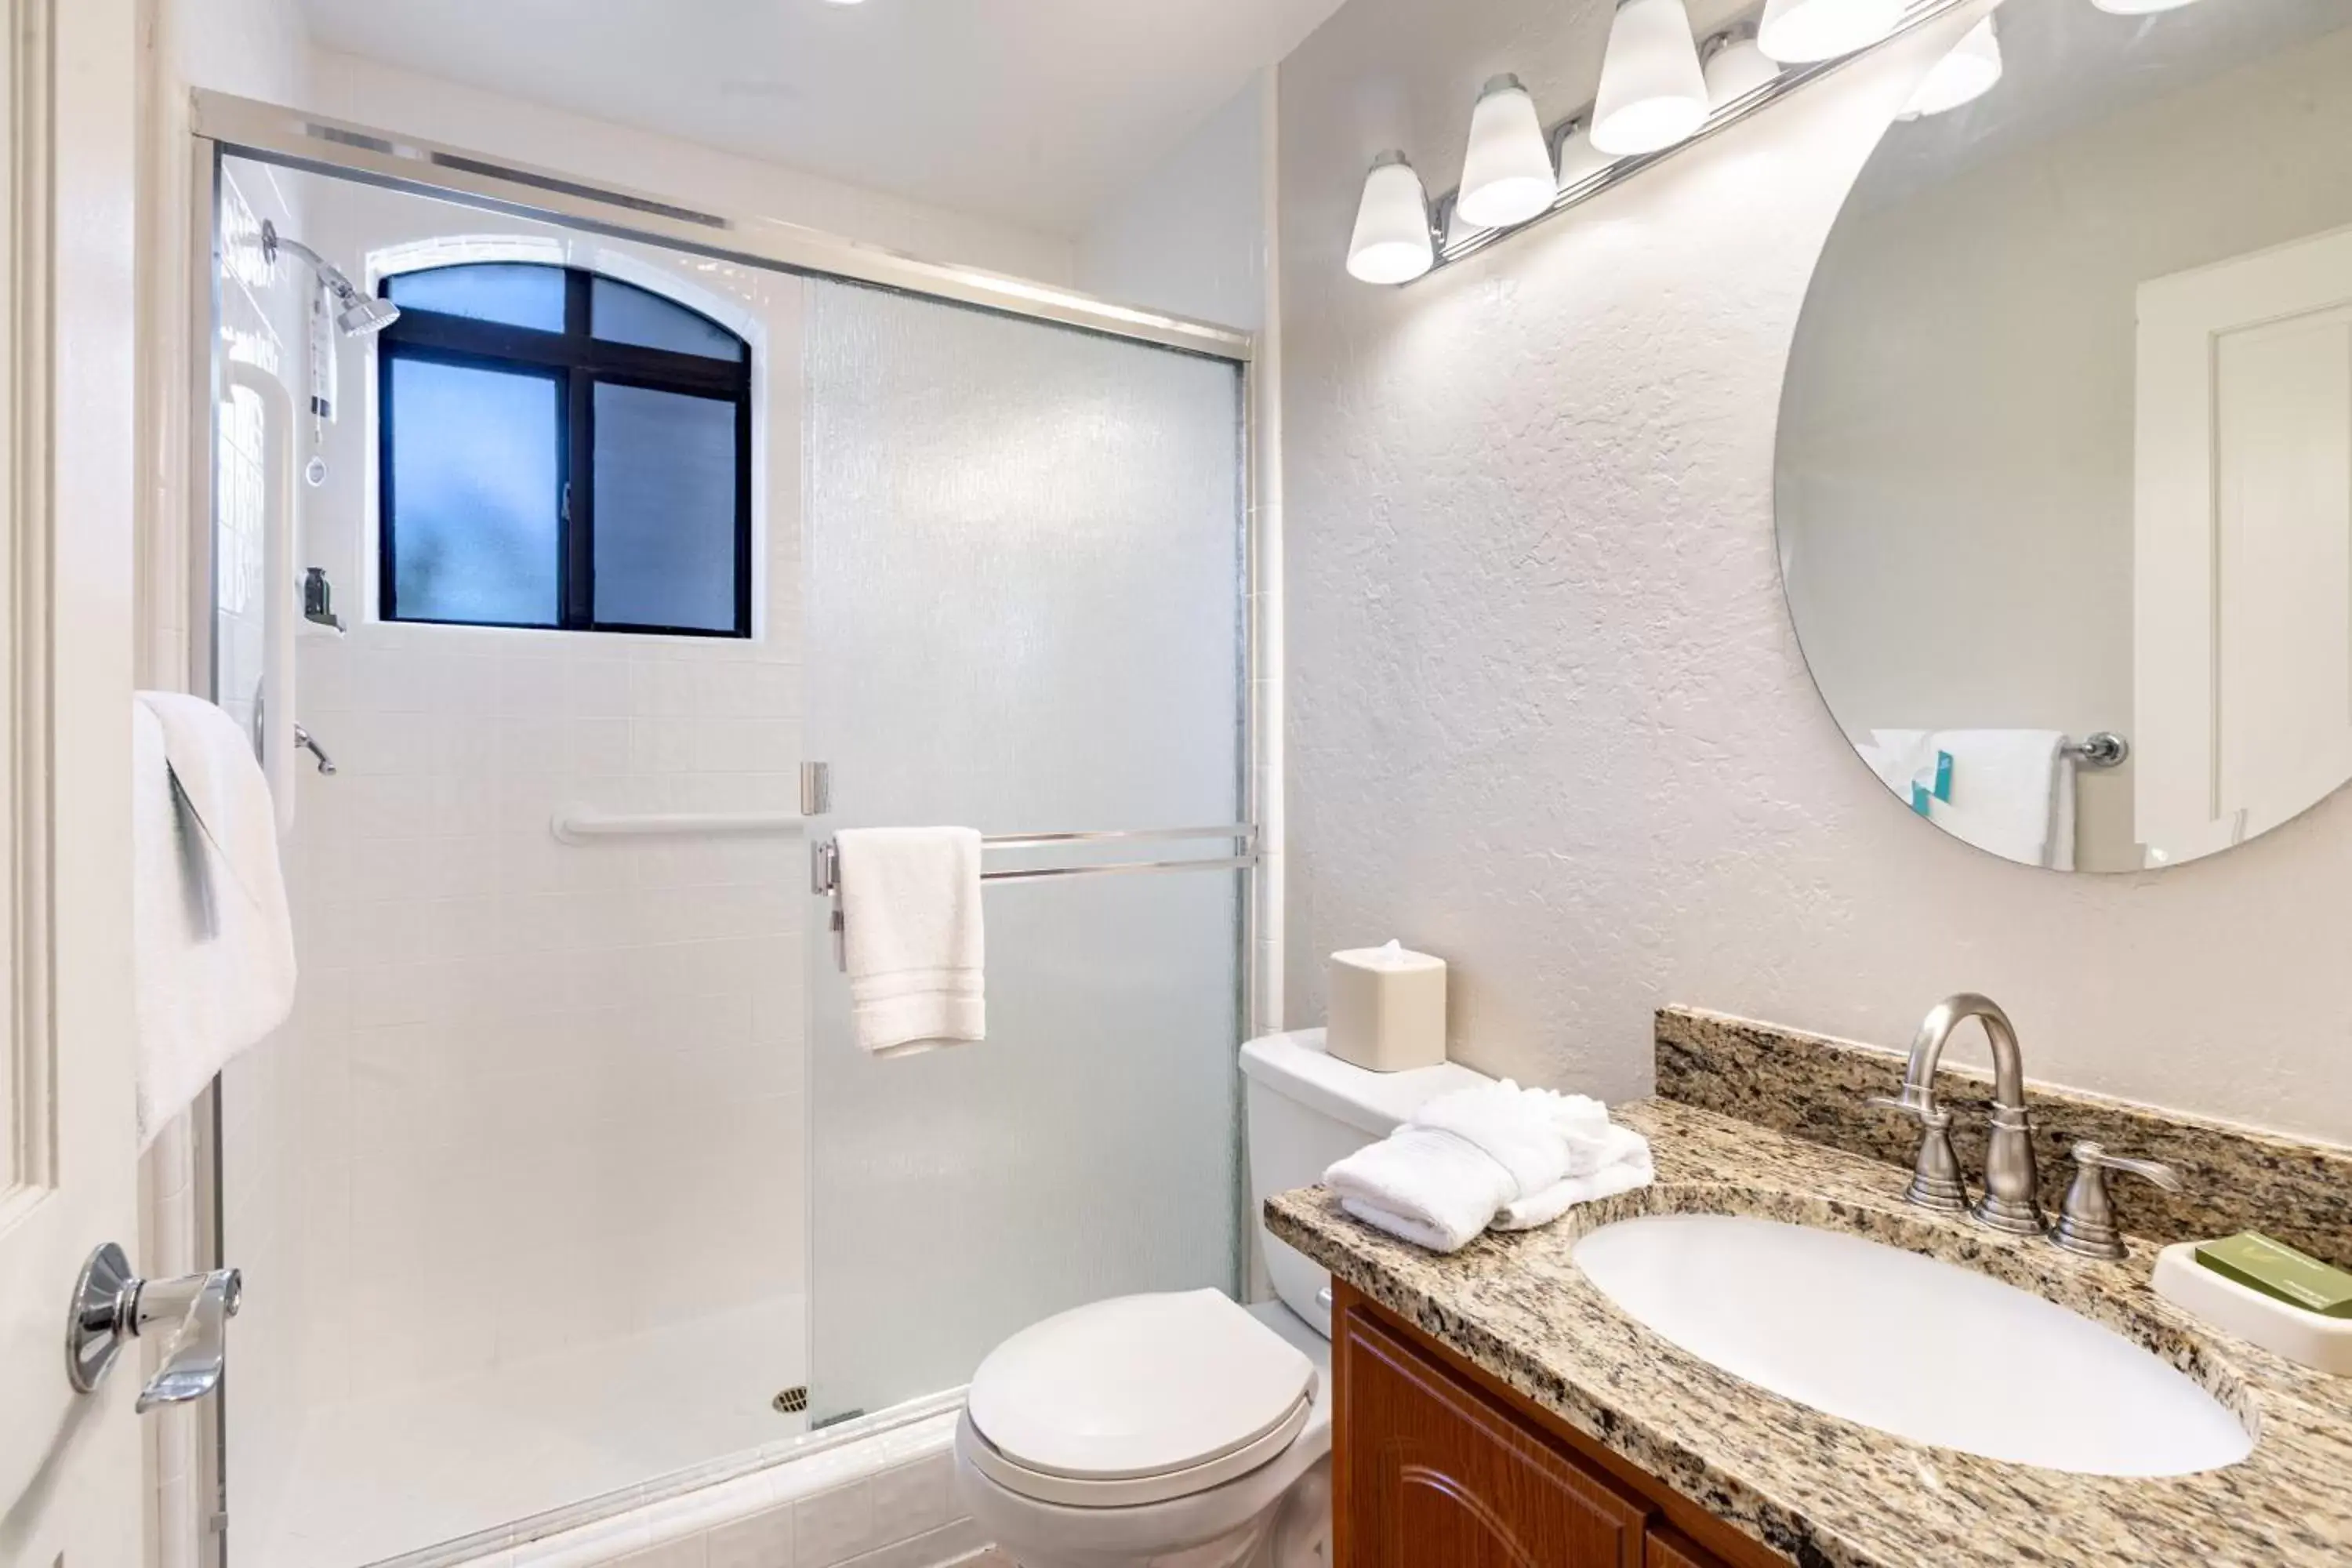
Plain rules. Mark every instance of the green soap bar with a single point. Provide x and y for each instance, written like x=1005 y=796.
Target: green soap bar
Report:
x=2278 y=1270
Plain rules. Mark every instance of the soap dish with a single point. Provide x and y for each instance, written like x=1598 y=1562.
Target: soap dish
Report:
x=2304 y=1337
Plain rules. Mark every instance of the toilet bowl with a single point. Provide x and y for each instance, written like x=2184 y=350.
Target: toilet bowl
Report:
x=1181 y=1430
x=1128 y=1492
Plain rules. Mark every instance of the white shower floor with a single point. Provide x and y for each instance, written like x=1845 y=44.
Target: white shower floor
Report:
x=380 y=1478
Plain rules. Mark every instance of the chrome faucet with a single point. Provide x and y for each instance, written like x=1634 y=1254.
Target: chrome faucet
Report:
x=2012 y=1195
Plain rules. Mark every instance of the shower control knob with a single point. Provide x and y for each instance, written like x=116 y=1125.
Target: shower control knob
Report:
x=111 y=1305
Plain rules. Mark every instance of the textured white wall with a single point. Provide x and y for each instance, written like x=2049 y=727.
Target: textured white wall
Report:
x=391 y=99
x=1548 y=716
x=1188 y=237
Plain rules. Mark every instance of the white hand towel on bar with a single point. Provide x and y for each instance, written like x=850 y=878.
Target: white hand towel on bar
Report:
x=1497 y=1154
x=912 y=936
x=212 y=939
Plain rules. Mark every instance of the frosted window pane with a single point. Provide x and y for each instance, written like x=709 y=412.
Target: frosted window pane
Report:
x=665 y=509
x=475 y=492
x=1023 y=601
x=622 y=313
x=517 y=294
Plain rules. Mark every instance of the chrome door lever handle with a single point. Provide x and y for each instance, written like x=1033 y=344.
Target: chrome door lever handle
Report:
x=113 y=1305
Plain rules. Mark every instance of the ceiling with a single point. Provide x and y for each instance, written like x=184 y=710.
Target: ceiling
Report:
x=1031 y=111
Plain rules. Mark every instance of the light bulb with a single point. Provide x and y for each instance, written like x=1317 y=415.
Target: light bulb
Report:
x=1799 y=32
x=1392 y=242
x=1507 y=178
x=2140 y=7
x=1968 y=73
x=1579 y=160
x=1653 y=94
x=1736 y=67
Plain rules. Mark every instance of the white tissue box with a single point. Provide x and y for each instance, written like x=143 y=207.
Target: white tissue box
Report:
x=1387 y=1009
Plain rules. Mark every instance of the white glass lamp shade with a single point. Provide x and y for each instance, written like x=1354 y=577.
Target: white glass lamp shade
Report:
x=1652 y=92
x=1968 y=73
x=1735 y=67
x=1579 y=160
x=1392 y=243
x=2140 y=7
x=1799 y=32
x=1507 y=178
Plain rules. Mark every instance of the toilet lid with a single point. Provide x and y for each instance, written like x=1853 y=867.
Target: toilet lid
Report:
x=1138 y=1386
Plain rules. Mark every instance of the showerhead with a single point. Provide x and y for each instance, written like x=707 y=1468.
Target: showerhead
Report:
x=362 y=314
x=357 y=315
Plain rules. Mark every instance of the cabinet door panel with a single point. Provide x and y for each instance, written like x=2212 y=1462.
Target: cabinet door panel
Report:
x=1433 y=1475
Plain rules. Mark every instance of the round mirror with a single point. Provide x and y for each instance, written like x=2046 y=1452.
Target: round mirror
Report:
x=2065 y=452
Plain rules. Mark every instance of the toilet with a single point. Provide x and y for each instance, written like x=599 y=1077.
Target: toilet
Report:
x=1181 y=1429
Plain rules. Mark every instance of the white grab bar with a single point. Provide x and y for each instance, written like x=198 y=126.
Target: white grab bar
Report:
x=578 y=825
x=276 y=726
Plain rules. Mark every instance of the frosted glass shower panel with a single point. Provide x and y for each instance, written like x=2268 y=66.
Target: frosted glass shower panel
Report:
x=1024 y=608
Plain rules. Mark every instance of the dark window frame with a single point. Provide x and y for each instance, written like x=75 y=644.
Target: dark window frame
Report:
x=577 y=362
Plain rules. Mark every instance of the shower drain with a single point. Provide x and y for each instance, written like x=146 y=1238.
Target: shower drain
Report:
x=791 y=1402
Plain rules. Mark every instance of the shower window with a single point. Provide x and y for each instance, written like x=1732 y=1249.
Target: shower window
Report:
x=565 y=450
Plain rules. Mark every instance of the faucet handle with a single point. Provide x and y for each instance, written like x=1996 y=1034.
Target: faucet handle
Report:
x=1935 y=1181
x=2087 y=1221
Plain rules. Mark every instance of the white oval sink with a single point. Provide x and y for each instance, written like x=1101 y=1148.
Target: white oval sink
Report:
x=1909 y=1346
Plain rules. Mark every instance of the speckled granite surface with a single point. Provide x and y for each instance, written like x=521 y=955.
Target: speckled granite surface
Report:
x=2234 y=1178
x=1820 y=1490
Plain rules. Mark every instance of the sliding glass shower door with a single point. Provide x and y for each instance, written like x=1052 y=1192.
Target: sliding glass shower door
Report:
x=1024 y=607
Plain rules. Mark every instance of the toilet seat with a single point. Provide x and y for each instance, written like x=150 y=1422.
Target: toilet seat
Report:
x=1136 y=1400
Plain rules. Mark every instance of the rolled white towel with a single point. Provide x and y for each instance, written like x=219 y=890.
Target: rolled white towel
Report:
x=1434 y=1188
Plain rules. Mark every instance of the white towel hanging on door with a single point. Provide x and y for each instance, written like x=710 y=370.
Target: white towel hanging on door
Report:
x=212 y=939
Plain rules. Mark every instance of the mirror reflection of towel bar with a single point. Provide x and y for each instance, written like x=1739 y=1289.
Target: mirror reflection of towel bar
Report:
x=2099 y=748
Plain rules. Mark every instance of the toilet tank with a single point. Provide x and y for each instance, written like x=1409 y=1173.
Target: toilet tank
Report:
x=1307 y=1108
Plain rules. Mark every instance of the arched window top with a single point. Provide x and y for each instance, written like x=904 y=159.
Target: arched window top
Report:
x=562 y=449
x=541 y=297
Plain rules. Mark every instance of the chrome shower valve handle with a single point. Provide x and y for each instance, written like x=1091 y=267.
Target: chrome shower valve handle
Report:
x=111 y=1305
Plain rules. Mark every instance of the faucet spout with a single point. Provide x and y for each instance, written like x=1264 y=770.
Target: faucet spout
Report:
x=2013 y=1181
x=1936 y=1029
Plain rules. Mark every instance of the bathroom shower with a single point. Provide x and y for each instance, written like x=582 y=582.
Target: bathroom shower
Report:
x=603 y=531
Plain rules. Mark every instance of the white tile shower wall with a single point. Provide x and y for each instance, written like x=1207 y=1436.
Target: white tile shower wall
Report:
x=534 y=1097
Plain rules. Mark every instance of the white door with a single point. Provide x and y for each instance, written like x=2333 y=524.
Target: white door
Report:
x=69 y=1464
x=2243 y=563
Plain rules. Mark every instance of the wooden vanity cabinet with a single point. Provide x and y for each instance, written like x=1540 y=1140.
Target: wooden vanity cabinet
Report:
x=1436 y=1465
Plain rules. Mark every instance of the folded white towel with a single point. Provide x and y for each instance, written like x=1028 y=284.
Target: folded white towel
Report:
x=212 y=939
x=1632 y=1171
x=1473 y=1158
x=913 y=937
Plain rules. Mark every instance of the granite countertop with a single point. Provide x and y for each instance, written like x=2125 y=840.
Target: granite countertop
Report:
x=1819 y=1488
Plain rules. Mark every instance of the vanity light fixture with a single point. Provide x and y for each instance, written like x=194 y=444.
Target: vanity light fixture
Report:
x=1799 y=32
x=1735 y=66
x=1652 y=92
x=1651 y=67
x=1579 y=160
x=1507 y=178
x=1965 y=75
x=1392 y=243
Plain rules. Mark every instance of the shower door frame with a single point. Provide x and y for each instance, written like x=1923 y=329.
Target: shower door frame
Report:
x=223 y=125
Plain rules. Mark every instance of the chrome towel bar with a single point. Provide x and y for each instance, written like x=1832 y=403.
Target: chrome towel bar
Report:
x=578 y=825
x=824 y=861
